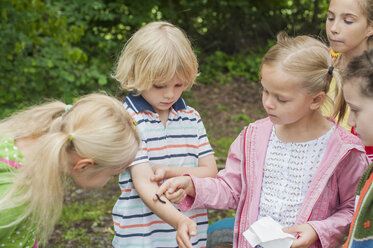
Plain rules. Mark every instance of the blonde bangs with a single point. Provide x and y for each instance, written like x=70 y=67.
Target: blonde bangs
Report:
x=154 y=55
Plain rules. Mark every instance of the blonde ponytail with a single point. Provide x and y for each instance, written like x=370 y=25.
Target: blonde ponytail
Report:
x=101 y=129
x=32 y=122
x=340 y=106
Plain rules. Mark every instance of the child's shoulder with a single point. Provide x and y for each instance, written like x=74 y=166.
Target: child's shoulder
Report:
x=262 y=126
x=265 y=122
x=346 y=136
x=188 y=110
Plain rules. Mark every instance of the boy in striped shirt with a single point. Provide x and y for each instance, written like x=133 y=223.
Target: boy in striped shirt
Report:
x=157 y=64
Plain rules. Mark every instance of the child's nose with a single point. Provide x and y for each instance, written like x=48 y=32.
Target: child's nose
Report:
x=268 y=103
x=168 y=93
x=335 y=27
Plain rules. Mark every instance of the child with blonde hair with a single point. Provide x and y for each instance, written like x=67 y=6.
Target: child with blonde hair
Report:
x=349 y=28
x=358 y=92
x=295 y=166
x=157 y=64
x=91 y=143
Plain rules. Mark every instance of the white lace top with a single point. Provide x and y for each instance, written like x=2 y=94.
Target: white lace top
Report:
x=288 y=172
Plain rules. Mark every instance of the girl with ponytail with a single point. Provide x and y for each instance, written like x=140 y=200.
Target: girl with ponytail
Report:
x=90 y=142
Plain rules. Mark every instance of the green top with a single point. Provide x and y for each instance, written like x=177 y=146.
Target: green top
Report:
x=20 y=235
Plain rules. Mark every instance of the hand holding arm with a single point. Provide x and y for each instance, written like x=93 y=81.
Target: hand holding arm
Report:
x=146 y=189
x=176 y=189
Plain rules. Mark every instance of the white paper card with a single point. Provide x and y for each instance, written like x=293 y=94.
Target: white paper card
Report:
x=268 y=233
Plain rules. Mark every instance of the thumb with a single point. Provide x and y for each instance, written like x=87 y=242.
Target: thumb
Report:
x=192 y=229
x=290 y=229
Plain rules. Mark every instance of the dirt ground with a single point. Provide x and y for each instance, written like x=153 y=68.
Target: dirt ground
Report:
x=225 y=110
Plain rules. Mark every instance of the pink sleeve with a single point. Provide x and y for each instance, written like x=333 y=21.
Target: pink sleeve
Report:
x=222 y=192
x=332 y=230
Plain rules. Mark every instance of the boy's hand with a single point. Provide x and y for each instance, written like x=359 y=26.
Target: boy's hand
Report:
x=160 y=173
x=307 y=235
x=185 y=229
x=176 y=189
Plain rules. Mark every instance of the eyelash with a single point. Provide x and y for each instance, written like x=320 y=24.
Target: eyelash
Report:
x=264 y=92
x=281 y=101
x=161 y=87
x=355 y=111
x=346 y=21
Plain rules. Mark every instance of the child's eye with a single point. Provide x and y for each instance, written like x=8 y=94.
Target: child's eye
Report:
x=158 y=86
x=355 y=111
x=330 y=19
x=282 y=100
x=179 y=85
x=348 y=22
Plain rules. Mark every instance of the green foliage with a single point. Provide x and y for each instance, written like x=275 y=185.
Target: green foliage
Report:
x=221 y=146
x=64 y=48
x=222 y=107
x=222 y=67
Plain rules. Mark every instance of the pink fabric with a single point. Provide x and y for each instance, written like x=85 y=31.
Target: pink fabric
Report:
x=11 y=163
x=36 y=243
x=329 y=202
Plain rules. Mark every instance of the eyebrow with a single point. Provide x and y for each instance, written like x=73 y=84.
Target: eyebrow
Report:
x=343 y=14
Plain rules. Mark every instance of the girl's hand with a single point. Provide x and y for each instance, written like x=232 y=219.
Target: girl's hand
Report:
x=176 y=189
x=186 y=228
x=160 y=173
x=307 y=235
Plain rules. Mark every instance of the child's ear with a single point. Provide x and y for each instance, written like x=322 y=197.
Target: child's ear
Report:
x=318 y=100
x=370 y=30
x=82 y=164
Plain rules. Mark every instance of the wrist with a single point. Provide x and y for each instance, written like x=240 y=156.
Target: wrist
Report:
x=190 y=189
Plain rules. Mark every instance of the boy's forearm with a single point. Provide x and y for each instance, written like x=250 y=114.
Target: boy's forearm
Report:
x=206 y=168
x=195 y=171
x=147 y=189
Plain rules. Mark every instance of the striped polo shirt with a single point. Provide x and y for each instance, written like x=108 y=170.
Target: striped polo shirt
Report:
x=178 y=144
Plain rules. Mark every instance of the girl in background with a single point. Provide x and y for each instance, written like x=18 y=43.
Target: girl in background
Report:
x=349 y=28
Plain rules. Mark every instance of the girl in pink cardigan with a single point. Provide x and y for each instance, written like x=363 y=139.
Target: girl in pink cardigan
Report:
x=295 y=166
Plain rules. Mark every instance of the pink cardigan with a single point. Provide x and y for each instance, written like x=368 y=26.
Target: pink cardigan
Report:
x=328 y=204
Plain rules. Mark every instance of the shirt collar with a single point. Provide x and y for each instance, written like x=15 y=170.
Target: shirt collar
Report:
x=138 y=103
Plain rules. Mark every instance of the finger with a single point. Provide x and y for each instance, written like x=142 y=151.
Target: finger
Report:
x=175 y=196
x=185 y=240
x=193 y=229
x=291 y=229
x=163 y=188
x=180 y=198
x=155 y=178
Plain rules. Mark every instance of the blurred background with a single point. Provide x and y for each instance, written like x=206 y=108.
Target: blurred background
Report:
x=65 y=48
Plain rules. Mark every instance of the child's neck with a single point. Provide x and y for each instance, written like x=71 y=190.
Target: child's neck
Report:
x=346 y=57
x=306 y=129
x=163 y=116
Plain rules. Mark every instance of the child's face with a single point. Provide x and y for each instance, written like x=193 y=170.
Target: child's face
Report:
x=283 y=98
x=162 y=97
x=90 y=178
x=347 y=28
x=361 y=116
